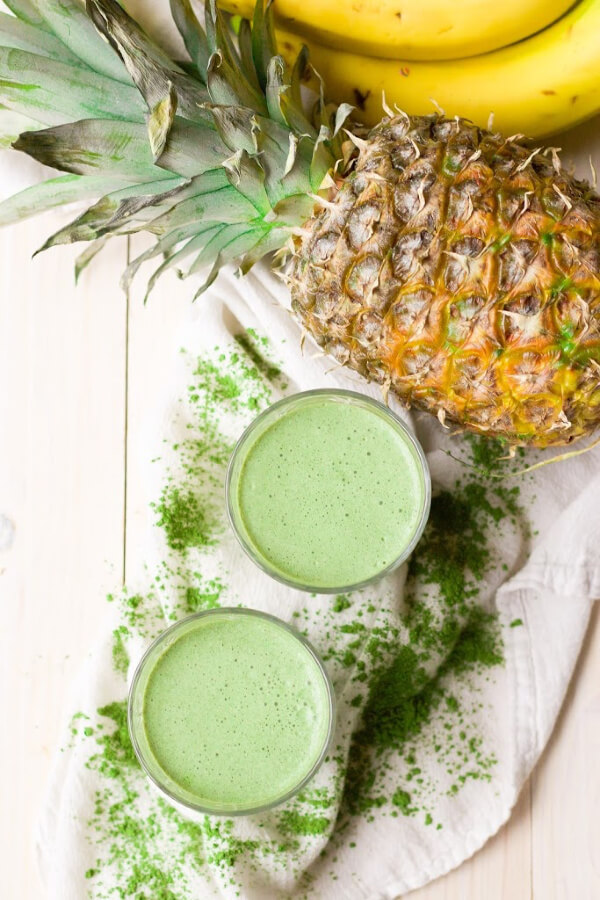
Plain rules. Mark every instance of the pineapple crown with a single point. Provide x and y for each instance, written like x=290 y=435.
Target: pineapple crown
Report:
x=215 y=155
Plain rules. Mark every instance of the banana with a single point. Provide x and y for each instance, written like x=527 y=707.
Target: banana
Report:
x=539 y=86
x=412 y=29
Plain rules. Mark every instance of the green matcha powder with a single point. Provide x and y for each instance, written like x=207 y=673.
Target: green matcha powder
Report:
x=392 y=675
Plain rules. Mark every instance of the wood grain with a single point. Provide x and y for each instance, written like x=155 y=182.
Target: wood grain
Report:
x=500 y=871
x=69 y=361
x=154 y=339
x=565 y=811
x=61 y=485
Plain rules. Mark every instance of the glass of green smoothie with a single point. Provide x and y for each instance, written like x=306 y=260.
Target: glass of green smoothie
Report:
x=328 y=490
x=231 y=712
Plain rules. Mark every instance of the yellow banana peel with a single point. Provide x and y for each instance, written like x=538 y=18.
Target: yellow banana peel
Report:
x=412 y=29
x=540 y=86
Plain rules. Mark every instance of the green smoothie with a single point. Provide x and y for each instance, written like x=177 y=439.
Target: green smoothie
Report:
x=331 y=492
x=232 y=713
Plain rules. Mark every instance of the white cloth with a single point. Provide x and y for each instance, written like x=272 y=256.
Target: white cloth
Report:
x=549 y=586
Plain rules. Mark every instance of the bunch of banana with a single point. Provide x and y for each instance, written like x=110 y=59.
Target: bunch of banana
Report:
x=533 y=64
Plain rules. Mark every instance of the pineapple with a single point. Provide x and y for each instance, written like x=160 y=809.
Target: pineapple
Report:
x=458 y=268
x=462 y=270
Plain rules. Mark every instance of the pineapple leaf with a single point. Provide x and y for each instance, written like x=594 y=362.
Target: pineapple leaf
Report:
x=236 y=126
x=192 y=149
x=172 y=259
x=26 y=11
x=274 y=239
x=214 y=157
x=275 y=88
x=294 y=115
x=160 y=121
x=150 y=68
x=224 y=205
x=125 y=35
x=210 y=181
x=54 y=93
x=211 y=277
x=224 y=40
x=292 y=157
x=22 y=36
x=12 y=124
x=284 y=103
x=342 y=113
x=231 y=65
x=111 y=211
x=94 y=147
x=192 y=245
x=286 y=170
x=290 y=210
x=227 y=245
x=162 y=246
x=191 y=31
x=248 y=178
x=210 y=25
x=134 y=213
x=230 y=241
x=322 y=113
x=52 y=193
x=263 y=40
x=321 y=159
x=68 y=21
x=227 y=89
x=298 y=71
x=87 y=255
x=245 y=49
x=247 y=86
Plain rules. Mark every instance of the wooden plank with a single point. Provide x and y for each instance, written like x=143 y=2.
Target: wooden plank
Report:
x=62 y=355
x=155 y=334
x=62 y=359
x=500 y=871
x=566 y=790
x=566 y=784
x=502 y=868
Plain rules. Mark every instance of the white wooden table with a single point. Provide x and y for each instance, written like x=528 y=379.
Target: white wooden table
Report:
x=79 y=370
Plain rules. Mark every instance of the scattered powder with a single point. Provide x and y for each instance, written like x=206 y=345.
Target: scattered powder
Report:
x=340 y=603
x=401 y=799
x=292 y=822
x=116 y=745
x=183 y=519
x=197 y=599
x=445 y=637
x=145 y=849
x=120 y=655
x=409 y=686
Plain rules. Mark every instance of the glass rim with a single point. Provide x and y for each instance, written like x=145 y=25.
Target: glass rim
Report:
x=381 y=409
x=184 y=799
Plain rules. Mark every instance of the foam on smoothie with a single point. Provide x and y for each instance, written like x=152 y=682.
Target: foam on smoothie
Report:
x=236 y=711
x=331 y=493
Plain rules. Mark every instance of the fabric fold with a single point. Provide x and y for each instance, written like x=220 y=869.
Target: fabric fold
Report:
x=415 y=784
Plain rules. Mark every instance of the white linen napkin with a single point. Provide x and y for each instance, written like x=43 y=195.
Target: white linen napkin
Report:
x=452 y=783
x=102 y=831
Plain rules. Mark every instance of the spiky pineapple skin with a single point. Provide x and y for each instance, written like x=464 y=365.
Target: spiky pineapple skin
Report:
x=461 y=269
